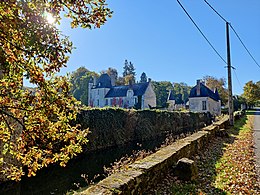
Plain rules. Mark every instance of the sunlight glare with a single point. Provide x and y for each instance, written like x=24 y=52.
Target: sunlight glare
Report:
x=50 y=19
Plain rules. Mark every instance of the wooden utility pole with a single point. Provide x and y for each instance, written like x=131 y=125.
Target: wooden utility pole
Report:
x=230 y=96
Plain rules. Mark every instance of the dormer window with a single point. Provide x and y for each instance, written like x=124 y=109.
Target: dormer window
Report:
x=130 y=93
x=99 y=84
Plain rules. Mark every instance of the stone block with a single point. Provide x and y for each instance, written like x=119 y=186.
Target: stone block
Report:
x=186 y=169
x=122 y=181
x=222 y=133
x=96 y=190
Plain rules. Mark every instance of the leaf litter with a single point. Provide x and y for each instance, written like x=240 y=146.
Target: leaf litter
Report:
x=226 y=166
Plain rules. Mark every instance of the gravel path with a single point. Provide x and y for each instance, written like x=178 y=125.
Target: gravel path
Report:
x=257 y=141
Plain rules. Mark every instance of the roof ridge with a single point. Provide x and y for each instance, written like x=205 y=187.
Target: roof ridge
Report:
x=205 y=91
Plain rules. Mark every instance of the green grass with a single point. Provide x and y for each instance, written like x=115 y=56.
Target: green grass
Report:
x=188 y=188
x=223 y=166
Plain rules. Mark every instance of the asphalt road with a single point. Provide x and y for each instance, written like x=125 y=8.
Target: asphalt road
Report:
x=257 y=141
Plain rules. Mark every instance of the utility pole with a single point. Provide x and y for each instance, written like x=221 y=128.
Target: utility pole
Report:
x=230 y=96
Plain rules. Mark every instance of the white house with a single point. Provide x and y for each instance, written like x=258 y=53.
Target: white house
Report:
x=175 y=102
x=203 y=99
x=103 y=92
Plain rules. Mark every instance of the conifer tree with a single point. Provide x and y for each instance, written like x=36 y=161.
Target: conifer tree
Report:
x=131 y=69
x=126 y=69
x=129 y=72
x=143 y=78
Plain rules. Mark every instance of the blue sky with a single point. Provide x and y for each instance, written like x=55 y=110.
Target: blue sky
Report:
x=160 y=40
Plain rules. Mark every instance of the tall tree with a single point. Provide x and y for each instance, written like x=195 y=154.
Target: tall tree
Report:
x=143 y=78
x=112 y=72
x=126 y=69
x=161 y=90
x=76 y=75
x=219 y=84
x=129 y=72
x=183 y=90
x=35 y=128
x=80 y=81
x=251 y=93
x=120 y=81
x=129 y=79
x=131 y=69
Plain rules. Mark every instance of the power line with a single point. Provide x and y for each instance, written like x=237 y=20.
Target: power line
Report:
x=216 y=11
x=244 y=45
x=237 y=79
x=234 y=32
x=201 y=32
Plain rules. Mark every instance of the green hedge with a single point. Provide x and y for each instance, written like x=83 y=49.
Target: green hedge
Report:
x=116 y=126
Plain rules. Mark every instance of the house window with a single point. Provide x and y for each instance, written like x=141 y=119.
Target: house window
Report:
x=204 y=105
x=135 y=100
x=106 y=102
x=97 y=102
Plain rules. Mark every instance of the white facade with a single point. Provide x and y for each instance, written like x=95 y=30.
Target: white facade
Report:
x=203 y=99
x=123 y=96
x=205 y=104
x=149 y=97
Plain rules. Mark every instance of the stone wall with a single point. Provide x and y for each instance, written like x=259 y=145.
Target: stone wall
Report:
x=145 y=173
x=113 y=127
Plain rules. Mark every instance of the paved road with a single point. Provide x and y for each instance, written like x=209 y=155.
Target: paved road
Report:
x=257 y=141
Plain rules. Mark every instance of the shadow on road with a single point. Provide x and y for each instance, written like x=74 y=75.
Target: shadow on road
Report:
x=253 y=112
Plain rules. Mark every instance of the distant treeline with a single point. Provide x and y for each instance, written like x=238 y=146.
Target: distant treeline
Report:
x=81 y=77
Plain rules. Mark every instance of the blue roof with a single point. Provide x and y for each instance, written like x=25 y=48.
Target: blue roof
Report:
x=104 y=81
x=204 y=92
x=121 y=91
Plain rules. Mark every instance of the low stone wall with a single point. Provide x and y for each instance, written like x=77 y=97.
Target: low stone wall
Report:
x=113 y=126
x=145 y=173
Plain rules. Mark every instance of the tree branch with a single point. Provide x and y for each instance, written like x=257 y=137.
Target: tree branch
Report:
x=11 y=116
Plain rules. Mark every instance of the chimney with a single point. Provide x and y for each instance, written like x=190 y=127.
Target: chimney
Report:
x=94 y=81
x=113 y=79
x=198 y=88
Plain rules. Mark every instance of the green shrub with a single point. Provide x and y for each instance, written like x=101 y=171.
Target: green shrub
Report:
x=116 y=126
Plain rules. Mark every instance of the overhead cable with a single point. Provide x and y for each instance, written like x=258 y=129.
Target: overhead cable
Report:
x=201 y=32
x=234 y=32
x=215 y=11
x=244 y=45
x=237 y=79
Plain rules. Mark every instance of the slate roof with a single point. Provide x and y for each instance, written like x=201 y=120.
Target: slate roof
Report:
x=121 y=91
x=204 y=92
x=104 y=81
x=171 y=96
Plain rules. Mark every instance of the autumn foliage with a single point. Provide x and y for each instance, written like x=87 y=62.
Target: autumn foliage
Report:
x=35 y=125
x=252 y=93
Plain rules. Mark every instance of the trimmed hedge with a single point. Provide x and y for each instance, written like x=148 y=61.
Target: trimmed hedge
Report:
x=116 y=126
